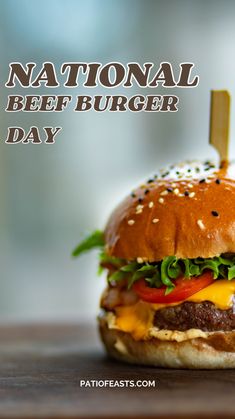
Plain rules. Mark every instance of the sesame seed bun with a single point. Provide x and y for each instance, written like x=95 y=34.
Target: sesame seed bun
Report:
x=186 y=210
x=216 y=351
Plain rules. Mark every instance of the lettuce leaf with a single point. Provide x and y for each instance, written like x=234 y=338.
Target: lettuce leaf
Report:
x=96 y=239
x=160 y=273
x=171 y=267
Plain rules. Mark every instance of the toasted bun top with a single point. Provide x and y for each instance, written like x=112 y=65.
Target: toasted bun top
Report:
x=186 y=210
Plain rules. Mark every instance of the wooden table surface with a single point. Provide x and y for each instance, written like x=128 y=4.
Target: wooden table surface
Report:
x=41 y=367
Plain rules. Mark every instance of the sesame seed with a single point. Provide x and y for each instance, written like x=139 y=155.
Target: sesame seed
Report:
x=155 y=220
x=163 y=193
x=150 y=181
x=218 y=181
x=133 y=195
x=190 y=185
x=169 y=190
x=202 y=181
x=176 y=191
x=165 y=174
x=215 y=213
x=173 y=185
x=131 y=222
x=140 y=200
x=139 y=207
x=191 y=195
x=186 y=193
x=200 y=224
x=140 y=260
x=151 y=204
x=146 y=191
x=161 y=200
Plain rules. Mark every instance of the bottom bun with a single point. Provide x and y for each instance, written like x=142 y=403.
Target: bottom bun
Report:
x=217 y=351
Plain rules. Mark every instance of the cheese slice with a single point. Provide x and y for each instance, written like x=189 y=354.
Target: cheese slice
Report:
x=220 y=293
x=137 y=319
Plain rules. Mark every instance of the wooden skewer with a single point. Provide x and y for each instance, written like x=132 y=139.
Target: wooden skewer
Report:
x=220 y=122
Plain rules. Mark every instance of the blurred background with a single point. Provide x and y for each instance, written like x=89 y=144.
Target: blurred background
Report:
x=51 y=196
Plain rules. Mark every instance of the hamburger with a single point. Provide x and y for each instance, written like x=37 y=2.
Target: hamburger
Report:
x=169 y=253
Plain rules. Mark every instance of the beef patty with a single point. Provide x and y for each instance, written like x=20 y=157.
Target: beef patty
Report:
x=205 y=316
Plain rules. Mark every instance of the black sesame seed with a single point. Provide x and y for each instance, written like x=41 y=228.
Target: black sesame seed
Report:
x=177 y=172
x=197 y=169
x=155 y=176
x=207 y=168
x=165 y=174
x=206 y=163
x=186 y=193
x=150 y=181
x=215 y=213
x=218 y=181
x=140 y=200
x=189 y=170
x=169 y=190
x=146 y=191
x=202 y=181
x=133 y=195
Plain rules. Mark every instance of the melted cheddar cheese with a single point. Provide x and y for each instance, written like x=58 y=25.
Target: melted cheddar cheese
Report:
x=220 y=293
x=137 y=319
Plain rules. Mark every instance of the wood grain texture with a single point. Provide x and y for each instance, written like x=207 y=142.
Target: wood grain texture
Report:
x=41 y=367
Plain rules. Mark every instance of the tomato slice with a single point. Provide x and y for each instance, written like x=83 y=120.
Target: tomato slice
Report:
x=184 y=288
